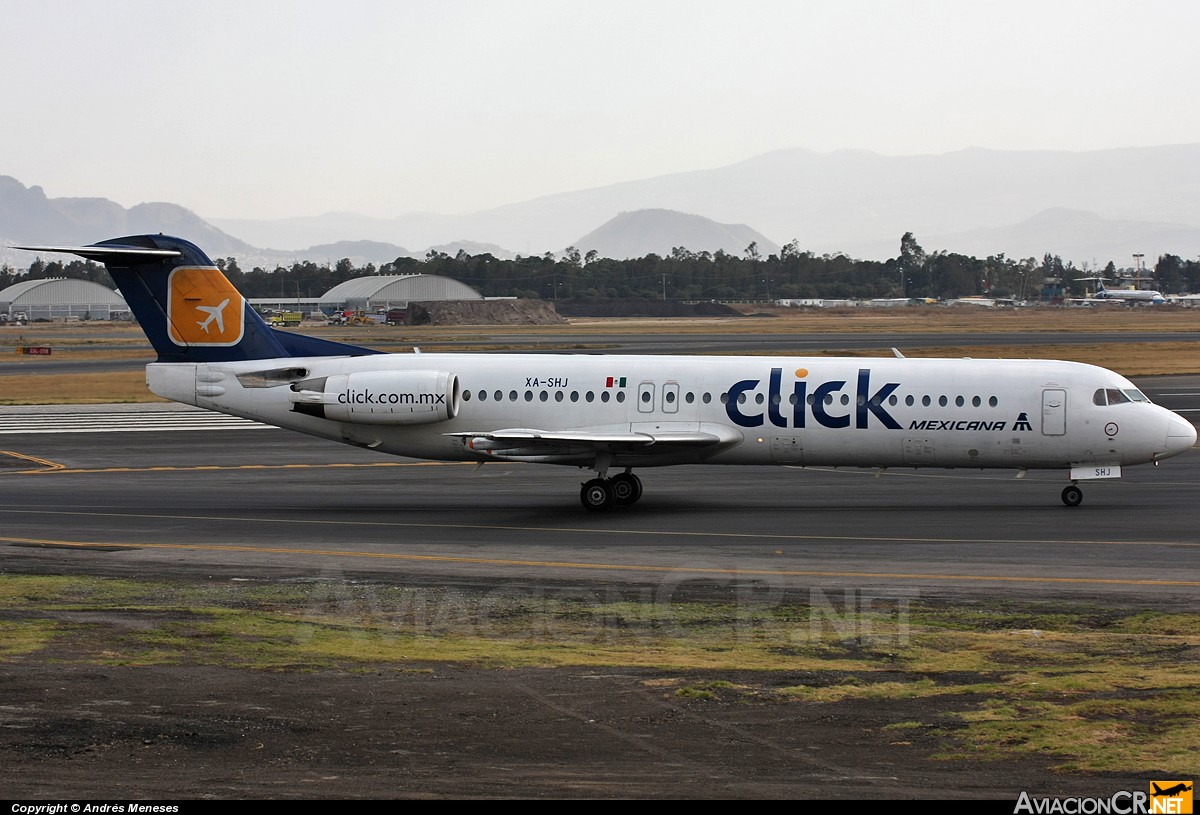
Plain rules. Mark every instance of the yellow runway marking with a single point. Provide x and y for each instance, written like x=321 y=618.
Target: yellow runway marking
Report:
x=626 y=567
x=629 y=567
x=62 y=469
x=604 y=531
x=51 y=466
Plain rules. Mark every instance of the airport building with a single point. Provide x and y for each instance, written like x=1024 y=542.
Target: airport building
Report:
x=71 y=299
x=374 y=293
x=61 y=298
x=381 y=292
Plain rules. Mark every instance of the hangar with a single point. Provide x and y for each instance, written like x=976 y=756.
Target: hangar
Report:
x=387 y=291
x=374 y=293
x=61 y=298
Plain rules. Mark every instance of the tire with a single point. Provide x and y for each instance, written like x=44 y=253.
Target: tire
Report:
x=1072 y=496
x=627 y=488
x=596 y=495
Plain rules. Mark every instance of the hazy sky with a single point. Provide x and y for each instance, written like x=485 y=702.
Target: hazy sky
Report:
x=246 y=109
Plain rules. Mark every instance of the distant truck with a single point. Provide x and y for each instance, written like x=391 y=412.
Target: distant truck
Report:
x=289 y=318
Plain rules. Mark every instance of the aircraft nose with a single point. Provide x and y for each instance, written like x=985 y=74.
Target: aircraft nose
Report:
x=1181 y=435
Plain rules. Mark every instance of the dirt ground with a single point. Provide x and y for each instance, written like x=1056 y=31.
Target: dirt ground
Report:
x=75 y=730
x=447 y=731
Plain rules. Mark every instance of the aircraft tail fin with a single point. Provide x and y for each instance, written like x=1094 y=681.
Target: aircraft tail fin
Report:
x=188 y=308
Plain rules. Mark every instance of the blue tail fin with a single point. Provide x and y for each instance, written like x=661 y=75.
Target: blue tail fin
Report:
x=189 y=309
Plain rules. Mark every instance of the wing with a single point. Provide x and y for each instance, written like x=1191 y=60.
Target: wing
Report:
x=585 y=446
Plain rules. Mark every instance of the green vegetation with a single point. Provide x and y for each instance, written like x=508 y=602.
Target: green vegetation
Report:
x=1100 y=689
x=687 y=275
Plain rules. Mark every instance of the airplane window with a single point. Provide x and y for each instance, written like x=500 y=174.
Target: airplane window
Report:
x=706 y=398
x=829 y=398
x=741 y=398
x=558 y=396
x=690 y=397
x=942 y=401
x=862 y=400
x=908 y=400
x=758 y=398
x=1098 y=397
x=498 y=396
x=810 y=399
x=1135 y=395
x=1116 y=397
x=925 y=401
x=724 y=398
x=792 y=399
x=528 y=396
x=893 y=400
x=620 y=396
x=590 y=396
x=574 y=396
x=603 y=396
x=512 y=396
x=543 y=396
x=976 y=401
x=670 y=397
x=466 y=396
x=776 y=399
x=645 y=396
x=959 y=401
x=993 y=401
x=845 y=398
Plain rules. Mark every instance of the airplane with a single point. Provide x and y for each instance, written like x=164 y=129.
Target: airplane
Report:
x=1172 y=790
x=1125 y=295
x=619 y=413
x=214 y=313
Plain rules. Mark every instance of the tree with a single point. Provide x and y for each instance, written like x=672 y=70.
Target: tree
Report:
x=1168 y=271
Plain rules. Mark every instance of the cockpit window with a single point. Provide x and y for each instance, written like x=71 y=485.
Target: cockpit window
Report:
x=1116 y=396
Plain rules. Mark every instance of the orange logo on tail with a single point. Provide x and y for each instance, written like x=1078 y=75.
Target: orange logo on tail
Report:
x=203 y=308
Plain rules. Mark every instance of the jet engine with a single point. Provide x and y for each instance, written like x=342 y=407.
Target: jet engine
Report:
x=380 y=397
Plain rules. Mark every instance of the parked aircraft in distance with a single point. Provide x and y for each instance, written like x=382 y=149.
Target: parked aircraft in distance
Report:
x=1124 y=295
x=609 y=413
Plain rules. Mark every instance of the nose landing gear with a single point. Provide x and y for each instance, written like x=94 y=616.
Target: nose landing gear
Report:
x=1072 y=496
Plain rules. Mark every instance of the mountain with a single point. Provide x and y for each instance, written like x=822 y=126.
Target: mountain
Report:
x=856 y=202
x=1075 y=234
x=359 y=253
x=658 y=231
x=1082 y=206
x=28 y=216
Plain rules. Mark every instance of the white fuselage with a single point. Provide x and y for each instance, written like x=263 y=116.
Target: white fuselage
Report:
x=877 y=412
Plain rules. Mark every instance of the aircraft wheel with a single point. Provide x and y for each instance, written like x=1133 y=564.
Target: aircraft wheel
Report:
x=1072 y=496
x=596 y=495
x=626 y=487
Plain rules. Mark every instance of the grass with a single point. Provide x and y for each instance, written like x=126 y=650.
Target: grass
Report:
x=107 y=342
x=1098 y=689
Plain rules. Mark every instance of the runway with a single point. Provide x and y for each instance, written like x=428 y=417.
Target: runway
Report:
x=248 y=502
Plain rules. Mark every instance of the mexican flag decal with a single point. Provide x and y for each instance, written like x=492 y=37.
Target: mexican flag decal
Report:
x=614 y=382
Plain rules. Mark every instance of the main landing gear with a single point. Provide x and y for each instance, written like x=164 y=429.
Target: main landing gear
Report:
x=1072 y=496
x=604 y=493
